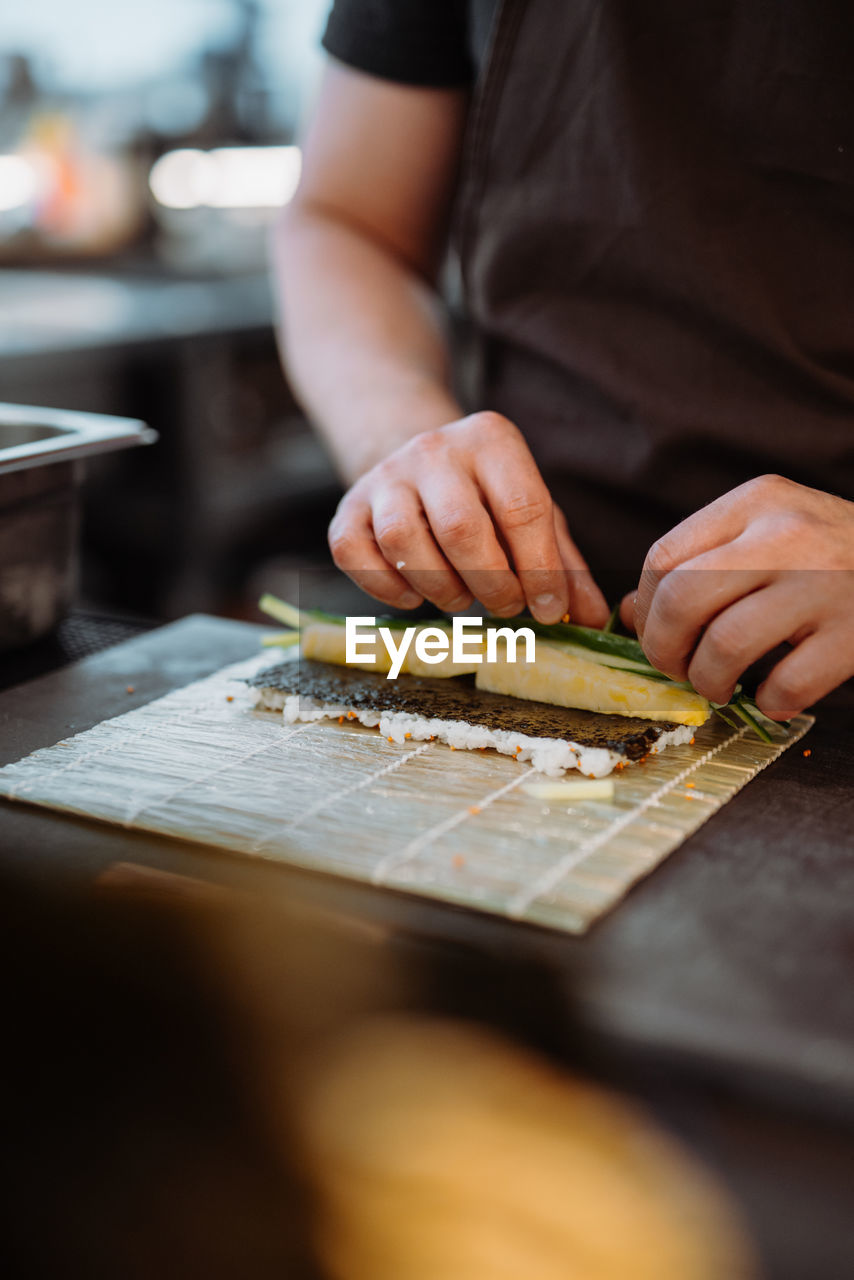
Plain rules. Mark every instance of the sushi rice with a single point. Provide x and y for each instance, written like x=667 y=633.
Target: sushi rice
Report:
x=550 y=756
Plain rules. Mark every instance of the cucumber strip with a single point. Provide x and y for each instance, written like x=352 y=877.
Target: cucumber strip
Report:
x=745 y=700
x=742 y=712
x=607 y=660
x=291 y=616
x=283 y=612
x=613 y=620
x=720 y=711
x=280 y=640
x=604 y=642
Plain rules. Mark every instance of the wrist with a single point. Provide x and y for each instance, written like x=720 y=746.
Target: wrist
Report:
x=383 y=424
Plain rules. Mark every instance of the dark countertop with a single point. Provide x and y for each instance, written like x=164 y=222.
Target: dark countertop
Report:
x=51 y=312
x=733 y=958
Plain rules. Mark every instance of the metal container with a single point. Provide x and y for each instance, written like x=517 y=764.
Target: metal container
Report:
x=42 y=455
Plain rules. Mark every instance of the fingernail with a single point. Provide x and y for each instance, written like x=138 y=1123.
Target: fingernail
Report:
x=409 y=600
x=462 y=602
x=547 y=608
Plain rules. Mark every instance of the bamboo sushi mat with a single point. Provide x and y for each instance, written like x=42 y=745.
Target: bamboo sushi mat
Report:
x=202 y=765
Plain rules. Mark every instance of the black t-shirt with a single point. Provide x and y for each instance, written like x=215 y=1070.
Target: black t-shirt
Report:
x=417 y=42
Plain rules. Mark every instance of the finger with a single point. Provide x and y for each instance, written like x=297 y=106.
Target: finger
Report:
x=466 y=536
x=721 y=522
x=819 y=664
x=587 y=605
x=685 y=602
x=406 y=541
x=627 y=610
x=523 y=511
x=356 y=553
x=742 y=634
x=714 y=526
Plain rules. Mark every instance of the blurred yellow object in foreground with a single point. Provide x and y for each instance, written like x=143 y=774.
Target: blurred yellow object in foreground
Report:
x=439 y=1152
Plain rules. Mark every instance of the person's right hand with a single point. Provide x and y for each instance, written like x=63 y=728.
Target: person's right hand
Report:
x=462 y=513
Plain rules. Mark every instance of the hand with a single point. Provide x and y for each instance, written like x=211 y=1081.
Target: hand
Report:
x=462 y=513
x=771 y=562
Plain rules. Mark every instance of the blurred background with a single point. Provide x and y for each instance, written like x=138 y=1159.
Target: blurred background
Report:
x=144 y=148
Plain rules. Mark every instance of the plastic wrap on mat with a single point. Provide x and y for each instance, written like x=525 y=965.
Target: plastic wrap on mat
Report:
x=202 y=764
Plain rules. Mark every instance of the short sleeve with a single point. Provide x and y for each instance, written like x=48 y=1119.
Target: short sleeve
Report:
x=416 y=42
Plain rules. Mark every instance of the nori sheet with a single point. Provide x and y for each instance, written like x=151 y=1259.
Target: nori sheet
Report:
x=457 y=698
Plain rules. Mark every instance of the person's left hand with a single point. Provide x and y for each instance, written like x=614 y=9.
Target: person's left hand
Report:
x=771 y=562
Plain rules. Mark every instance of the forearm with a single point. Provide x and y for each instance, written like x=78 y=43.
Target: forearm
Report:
x=362 y=338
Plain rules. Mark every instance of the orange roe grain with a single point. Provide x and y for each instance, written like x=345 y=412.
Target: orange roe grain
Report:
x=458 y=861
x=130 y=689
x=474 y=809
x=808 y=752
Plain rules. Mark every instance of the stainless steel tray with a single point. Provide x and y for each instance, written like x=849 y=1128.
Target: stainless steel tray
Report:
x=35 y=437
x=42 y=456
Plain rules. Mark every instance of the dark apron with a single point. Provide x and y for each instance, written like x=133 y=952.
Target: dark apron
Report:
x=656 y=235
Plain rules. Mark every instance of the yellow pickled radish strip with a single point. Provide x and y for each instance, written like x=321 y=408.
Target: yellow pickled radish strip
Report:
x=570 y=681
